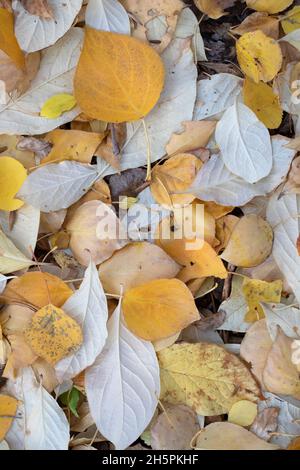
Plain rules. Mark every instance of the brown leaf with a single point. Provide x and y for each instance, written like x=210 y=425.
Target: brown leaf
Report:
x=39 y=8
x=265 y=423
x=259 y=20
x=127 y=183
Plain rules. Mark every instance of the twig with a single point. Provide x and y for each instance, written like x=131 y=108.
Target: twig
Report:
x=227 y=283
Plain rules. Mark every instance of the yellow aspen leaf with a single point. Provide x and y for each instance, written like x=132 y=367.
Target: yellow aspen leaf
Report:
x=8 y=409
x=270 y=6
x=12 y=176
x=242 y=413
x=250 y=243
x=171 y=180
x=264 y=103
x=214 y=8
x=159 y=309
x=37 y=289
x=291 y=20
x=72 y=145
x=130 y=72
x=255 y=292
x=196 y=134
x=52 y=334
x=205 y=377
x=259 y=56
x=259 y=20
x=8 y=41
x=58 y=104
x=216 y=210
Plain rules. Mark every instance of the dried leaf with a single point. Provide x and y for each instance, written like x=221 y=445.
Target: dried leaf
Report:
x=38 y=7
x=265 y=423
x=52 y=334
x=250 y=242
x=205 y=377
x=260 y=20
x=214 y=8
x=255 y=292
x=196 y=134
x=102 y=60
x=291 y=20
x=11 y=259
x=151 y=312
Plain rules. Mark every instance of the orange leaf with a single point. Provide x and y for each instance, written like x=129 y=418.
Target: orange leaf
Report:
x=8 y=409
x=118 y=78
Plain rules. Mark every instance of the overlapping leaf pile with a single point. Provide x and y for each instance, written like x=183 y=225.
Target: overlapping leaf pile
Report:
x=175 y=342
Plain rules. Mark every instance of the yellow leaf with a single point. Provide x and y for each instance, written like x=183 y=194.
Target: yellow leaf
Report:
x=134 y=265
x=205 y=377
x=213 y=8
x=270 y=6
x=280 y=375
x=8 y=409
x=8 y=41
x=256 y=291
x=260 y=20
x=52 y=334
x=130 y=72
x=159 y=309
x=196 y=134
x=228 y=436
x=259 y=56
x=12 y=177
x=57 y=105
x=11 y=259
x=224 y=229
x=242 y=413
x=250 y=243
x=72 y=145
x=264 y=103
x=171 y=180
x=291 y=20
x=37 y=289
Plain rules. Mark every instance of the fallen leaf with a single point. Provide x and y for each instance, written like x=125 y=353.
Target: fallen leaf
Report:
x=280 y=375
x=107 y=15
x=245 y=143
x=8 y=41
x=72 y=145
x=52 y=334
x=170 y=180
x=151 y=313
x=35 y=32
x=259 y=56
x=55 y=106
x=21 y=356
x=295 y=444
x=273 y=6
x=8 y=409
x=37 y=288
x=174 y=428
x=96 y=233
x=205 y=377
x=255 y=292
x=214 y=8
x=259 y=21
x=88 y=307
x=12 y=177
x=102 y=60
x=136 y=264
x=265 y=423
x=288 y=318
x=11 y=259
x=228 y=436
x=250 y=242
x=242 y=413
x=123 y=383
x=57 y=185
x=264 y=103
x=196 y=134
x=38 y=7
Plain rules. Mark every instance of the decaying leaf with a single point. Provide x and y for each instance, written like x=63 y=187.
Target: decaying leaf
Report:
x=259 y=21
x=52 y=334
x=214 y=8
x=186 y=377
x=38 y=7
x=256 y=291
x=151 y=312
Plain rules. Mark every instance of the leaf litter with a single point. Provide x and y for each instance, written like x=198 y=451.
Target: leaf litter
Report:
x=149 y=225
